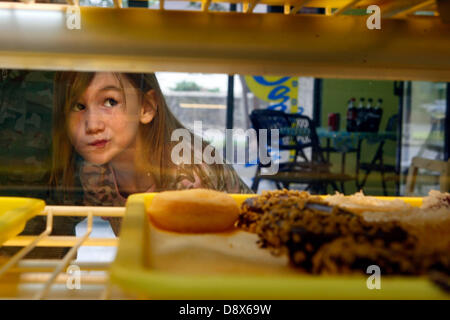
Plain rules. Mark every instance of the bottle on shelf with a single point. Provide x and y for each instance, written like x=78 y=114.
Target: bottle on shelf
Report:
x=337 y=122
x=378 y=114
x=360 y=115
x=351 y=115
x=331 y=121
x=371 y=117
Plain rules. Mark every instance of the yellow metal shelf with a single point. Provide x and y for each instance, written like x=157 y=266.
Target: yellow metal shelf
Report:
x=22 y=278
x=130 y=276
x=391 y=8
x=338 y=45
x=157 y=264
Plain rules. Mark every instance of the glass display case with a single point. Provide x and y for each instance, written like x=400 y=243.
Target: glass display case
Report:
x=363 y=84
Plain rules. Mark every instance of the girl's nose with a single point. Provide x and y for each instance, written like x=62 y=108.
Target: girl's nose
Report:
x=94 y=122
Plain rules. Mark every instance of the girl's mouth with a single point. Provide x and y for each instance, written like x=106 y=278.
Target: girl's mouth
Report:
x=98 y=143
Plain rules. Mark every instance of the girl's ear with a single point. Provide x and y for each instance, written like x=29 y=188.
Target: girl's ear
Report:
x=149 y=107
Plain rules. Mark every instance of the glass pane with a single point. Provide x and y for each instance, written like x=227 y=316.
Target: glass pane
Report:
x=424 y=130
x=25 y=140
x=26 y=99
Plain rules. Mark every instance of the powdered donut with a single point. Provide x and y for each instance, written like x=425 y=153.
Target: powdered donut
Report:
x=194 y=211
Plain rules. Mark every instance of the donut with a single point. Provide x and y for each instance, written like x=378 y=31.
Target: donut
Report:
x=193 y=211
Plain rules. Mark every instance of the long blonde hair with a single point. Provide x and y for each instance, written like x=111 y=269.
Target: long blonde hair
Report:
x=68 y=87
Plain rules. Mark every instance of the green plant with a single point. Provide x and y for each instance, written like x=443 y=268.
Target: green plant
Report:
x=187 y=86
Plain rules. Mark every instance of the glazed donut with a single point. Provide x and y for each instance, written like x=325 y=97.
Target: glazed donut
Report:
x=193 y=211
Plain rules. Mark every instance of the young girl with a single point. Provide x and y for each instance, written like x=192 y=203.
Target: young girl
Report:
x=112 y=134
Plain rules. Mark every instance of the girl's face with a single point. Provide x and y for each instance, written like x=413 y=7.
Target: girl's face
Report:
x=101 y=126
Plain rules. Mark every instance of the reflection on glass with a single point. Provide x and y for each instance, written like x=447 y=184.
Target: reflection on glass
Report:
x=424 y=129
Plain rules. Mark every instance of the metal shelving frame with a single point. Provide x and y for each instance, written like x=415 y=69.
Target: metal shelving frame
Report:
x=23 y=278
x=397 y=8
x=409 y=45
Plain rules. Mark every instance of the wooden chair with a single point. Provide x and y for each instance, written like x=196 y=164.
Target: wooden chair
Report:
x=443 y=167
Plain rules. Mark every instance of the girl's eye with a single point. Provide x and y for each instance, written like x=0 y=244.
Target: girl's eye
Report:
x=78 y=107
x=110 y=102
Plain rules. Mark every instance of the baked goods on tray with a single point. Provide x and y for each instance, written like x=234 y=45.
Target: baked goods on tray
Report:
x=359 y=203
x=194 y=211
x=321 y=236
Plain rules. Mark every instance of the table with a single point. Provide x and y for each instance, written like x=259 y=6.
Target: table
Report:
x=345 y=142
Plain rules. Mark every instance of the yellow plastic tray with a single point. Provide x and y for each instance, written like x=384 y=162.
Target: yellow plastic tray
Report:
x=134 y=268
x=14 y=214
